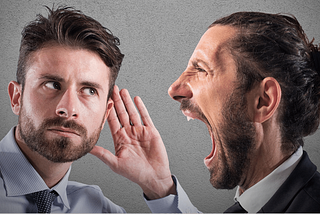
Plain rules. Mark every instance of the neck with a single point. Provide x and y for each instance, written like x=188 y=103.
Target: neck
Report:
x=266 y=156
x=49 y=171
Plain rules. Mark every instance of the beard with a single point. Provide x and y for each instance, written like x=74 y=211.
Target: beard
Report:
x=59 y=149
x=236 y=140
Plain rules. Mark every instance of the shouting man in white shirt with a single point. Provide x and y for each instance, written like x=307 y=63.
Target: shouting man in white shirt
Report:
x=253 y=79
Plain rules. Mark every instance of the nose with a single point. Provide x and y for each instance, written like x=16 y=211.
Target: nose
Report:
x=68 y=105
x=180 y=89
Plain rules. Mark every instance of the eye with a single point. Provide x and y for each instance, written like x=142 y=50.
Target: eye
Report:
x=89 y=91
x=200 y=69
x=53 y=85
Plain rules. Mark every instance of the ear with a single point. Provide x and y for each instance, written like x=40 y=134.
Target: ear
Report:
x=267 y=99
x=15 y=92
x=109 y=107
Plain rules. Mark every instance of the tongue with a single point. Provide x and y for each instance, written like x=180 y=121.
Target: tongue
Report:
x=210 y=157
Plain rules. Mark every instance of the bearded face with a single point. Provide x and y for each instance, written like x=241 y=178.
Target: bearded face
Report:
x=64 y=103
x=208 y=91
x=236 y=140
x=234 y=136
x=56 y=149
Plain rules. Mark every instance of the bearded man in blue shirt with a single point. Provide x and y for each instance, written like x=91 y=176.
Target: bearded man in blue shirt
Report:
x=68 y=64
x=67 y=68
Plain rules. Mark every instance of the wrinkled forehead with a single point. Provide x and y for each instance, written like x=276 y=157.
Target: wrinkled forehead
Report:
x=69 y=64
x=212 y=45
x=215 y=38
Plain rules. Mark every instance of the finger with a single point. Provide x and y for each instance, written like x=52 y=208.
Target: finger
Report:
x=143 y=112
x=131 y=109
x=113 y=121
x=120 y=108
x=105 y=155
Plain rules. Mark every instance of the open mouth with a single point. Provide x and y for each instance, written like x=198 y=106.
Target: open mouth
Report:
x=191 y=116
x=210 y=157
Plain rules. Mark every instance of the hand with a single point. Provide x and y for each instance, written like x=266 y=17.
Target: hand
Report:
x=140 y=154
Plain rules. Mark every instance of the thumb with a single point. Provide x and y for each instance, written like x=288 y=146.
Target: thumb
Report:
x=105 y=155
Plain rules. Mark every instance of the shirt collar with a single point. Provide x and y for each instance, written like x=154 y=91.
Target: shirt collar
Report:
x=16 y=169
x=61 y=189
x=262 y=191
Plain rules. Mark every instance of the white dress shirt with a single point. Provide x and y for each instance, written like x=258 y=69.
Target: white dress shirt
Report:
x=254 y=198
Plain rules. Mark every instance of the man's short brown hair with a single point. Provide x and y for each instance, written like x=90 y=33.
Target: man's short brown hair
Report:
x=70 y=27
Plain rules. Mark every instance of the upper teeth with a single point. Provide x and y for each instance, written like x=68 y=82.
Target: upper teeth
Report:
x=189 y=118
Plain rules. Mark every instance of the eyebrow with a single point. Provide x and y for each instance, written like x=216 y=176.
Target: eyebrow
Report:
x=91 y=85
x=196 y=62
x=52 y=77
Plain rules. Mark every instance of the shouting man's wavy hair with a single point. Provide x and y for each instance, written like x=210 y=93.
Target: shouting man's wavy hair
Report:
x=274 y=45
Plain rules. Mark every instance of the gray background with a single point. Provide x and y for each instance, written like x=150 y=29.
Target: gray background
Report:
x=157 y=37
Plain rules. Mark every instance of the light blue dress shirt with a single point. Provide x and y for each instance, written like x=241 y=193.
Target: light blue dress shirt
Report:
x=18 y=179
x=179 y=203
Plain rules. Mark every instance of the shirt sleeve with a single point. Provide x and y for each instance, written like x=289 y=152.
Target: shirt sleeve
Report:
x=179 y=203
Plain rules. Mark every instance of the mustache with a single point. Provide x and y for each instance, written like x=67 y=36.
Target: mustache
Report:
x=70 y=124
x=188 y=105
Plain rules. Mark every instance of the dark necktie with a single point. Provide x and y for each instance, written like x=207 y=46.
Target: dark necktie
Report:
x=44 y=200
x=236 y=208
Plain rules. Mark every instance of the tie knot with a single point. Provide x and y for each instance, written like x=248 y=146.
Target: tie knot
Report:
x=44 y=200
